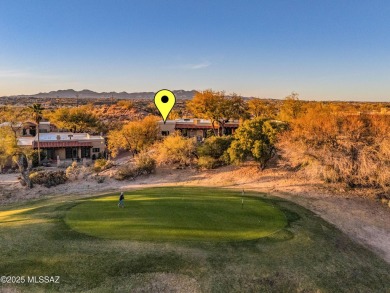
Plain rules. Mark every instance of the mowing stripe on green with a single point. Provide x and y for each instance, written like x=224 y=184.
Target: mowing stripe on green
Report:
x=177 y=213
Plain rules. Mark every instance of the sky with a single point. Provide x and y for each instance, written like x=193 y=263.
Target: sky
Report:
x=323 y=50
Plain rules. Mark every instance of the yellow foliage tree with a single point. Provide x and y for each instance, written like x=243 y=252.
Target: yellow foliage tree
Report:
x=80 y=119
x=134 y=136
x=291 y=108
x=260 y=108
x=217 y=107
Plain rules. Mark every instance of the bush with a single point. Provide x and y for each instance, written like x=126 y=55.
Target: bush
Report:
x=208 y=162
x=339 y=147
x=126 y=172
x=125 y=104
x=215 y=146
x=100 y=179
x=72 y=172
x=48 y=178
x=175 y=149
x=145 y=163
x=101 y=165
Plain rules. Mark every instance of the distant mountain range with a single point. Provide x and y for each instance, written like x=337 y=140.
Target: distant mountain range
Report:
x=88 y=94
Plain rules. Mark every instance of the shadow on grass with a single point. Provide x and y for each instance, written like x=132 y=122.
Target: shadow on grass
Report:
x=308 y=255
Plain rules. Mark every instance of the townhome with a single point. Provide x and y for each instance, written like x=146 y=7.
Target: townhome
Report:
x=199 y=128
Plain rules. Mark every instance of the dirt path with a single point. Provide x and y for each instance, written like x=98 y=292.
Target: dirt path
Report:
x=363 y=219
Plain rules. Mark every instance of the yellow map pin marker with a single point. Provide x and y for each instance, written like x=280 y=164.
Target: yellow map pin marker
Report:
x=164 y=101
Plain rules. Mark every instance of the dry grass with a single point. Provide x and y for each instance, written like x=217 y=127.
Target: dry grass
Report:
x=354 y=150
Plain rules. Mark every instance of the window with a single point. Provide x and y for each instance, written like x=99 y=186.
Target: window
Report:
x=70 y=153
x=96 y=150
x=85 y=152
x=164 y=133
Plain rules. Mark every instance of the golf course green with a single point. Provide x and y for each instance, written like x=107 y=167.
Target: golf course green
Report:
x=180 y=239
x=177 y=214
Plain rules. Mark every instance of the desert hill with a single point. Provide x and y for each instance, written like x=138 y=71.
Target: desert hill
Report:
x=88 y=94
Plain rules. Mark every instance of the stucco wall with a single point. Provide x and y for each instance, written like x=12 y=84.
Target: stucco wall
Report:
x=61 y=153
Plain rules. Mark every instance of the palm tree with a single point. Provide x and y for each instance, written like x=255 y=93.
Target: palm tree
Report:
x=36 y=110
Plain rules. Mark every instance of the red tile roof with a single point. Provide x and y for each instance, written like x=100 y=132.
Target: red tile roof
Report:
x=61 y=144
x=192 y=126
x=198 y=126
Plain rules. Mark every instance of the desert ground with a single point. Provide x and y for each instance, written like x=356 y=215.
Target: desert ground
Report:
x=355 y=212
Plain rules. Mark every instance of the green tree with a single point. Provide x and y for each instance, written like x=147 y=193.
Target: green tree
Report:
x=255 y=138
x=36 y=111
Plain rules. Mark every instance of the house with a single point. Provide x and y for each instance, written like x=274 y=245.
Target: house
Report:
x=67 y=145
x=199 y=128
x=58 y=145
x=29 y=128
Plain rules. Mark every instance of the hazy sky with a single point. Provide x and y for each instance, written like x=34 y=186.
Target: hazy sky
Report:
x=329 y=50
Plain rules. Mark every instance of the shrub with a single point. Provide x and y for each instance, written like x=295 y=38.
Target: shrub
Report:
x=125 y=104
x=145 y=163
x=126 y=172
x=175 y=149
x=208 y=162
x=101 y=165
x=339 y=147
x=48 y=178
x=215 y=146
x=100 y=179
x=72 y=172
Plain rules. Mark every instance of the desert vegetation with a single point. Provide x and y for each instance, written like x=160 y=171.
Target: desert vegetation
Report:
x=337 y=142
x=340 y=144
x=337 y=147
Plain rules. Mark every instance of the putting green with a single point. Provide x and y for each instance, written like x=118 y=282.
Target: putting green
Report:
x=177 y=213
